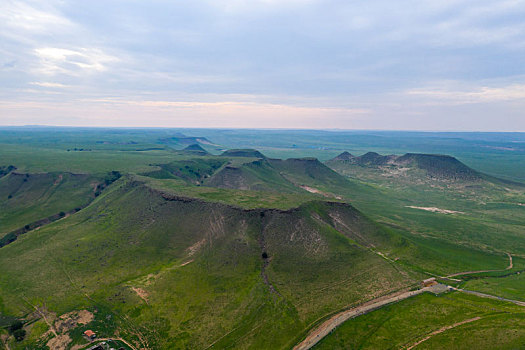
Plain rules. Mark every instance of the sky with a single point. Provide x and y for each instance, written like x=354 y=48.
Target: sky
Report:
x=447 y=65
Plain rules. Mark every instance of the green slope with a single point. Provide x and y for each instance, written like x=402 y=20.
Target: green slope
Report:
x=201 y=267
x=26 y=198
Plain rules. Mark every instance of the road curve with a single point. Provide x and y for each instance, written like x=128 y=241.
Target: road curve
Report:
x=511 y=265
x=329 y=325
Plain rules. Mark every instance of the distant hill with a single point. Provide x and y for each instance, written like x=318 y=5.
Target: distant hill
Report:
x=256 y=175
x=438 y=166
x=248 y=153
x=192 y=170
x=294 y=175
x=185 y=140
x=307 y=170
x=195 y=148
x=441 y=167
x=345 y=156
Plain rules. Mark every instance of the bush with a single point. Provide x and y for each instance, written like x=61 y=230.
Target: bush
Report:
x=19 y=334
x=15 y=326
x=10 y=237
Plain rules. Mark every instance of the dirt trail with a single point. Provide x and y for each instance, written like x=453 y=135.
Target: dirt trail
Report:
x=441 y=330
x=511 y=265
x=39 y=311
x=483 y=295
x=5 y=340
x=329 y=325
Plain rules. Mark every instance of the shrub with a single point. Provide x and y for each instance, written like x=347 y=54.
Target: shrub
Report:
x=15 y=326
x=19 y=334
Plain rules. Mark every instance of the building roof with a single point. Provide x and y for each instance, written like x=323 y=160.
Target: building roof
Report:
x=89 y=333
x=429 y=280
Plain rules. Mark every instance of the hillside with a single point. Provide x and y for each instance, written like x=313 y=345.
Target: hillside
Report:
x=27 y=197
x=434 y=166
x=237 y=169
x=257 y=175
x=173 y=272
x=195 y=149
x=310 y=171
x=439 y=166
x=247 y=153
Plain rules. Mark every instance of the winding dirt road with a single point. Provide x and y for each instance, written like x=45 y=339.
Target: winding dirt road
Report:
x=511 y=265
x=441 y=330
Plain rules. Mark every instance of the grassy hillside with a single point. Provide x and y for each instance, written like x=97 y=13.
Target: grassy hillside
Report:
x=253 y=175
x=481 y=214
x=433 y=166
x=27 y=197
x=207 y=272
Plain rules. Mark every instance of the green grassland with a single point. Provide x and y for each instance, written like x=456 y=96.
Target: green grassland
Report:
x=486 y=208
x=237 y=250
x=405 y=323
x=510 y=287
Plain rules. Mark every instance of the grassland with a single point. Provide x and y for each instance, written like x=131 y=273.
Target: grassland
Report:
x=404 y=324
x=510 y=287
x=237 y=250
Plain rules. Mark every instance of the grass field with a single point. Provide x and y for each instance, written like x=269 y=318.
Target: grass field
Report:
x=236 y=250
x=401 y=325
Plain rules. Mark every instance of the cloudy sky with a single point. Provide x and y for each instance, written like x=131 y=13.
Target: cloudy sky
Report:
x=368 y=64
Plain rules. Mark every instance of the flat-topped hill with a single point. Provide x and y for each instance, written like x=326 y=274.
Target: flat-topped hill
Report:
x=436 y=166
x=135 y=248
x=248 y=153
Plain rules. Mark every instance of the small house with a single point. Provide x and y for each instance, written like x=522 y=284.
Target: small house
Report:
x=429 y=282
x=90 y=334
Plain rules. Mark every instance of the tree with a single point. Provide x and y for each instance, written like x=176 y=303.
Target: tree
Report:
x=19 y=334
x=16 y=325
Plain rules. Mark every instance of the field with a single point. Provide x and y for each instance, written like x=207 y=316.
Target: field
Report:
x=402 y=325
x=172 y=247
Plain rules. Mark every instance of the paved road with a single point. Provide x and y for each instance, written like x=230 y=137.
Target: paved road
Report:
x=329 y=325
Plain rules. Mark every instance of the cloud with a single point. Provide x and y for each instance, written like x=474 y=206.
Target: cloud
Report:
x=261 y=58
x=23 y=16
x=59 y=60
x=482 y=94
x=48 y=84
